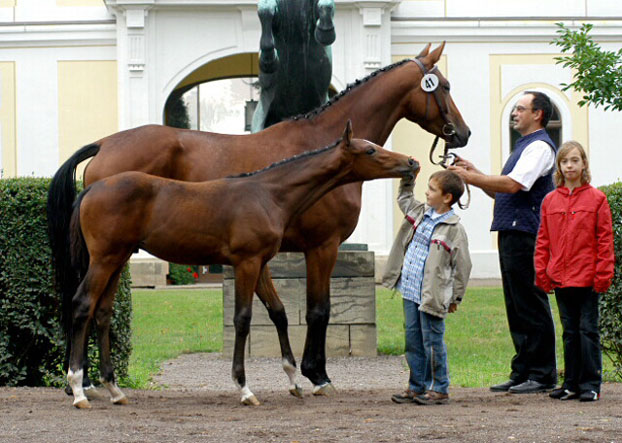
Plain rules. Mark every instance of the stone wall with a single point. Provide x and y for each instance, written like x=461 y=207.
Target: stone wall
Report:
x=352 y=327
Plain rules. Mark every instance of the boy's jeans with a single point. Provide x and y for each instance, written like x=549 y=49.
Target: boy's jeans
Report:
x=426 y=353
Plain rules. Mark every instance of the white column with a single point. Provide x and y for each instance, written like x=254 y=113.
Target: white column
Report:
x=133 y=70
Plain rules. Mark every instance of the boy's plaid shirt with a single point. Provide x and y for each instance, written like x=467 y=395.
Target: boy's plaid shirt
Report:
x=411 y=280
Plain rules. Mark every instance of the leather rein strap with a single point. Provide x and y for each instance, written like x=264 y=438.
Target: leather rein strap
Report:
x=447 y=129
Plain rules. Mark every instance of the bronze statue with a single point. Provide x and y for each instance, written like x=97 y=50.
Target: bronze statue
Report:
x=295 y=61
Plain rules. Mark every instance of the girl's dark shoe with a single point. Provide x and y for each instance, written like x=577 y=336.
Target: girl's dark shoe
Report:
x=563 y=394
x=589 y=396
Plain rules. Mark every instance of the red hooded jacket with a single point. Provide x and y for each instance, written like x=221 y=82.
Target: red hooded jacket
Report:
x=575 y=240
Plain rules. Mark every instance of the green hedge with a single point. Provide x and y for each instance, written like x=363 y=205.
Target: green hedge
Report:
x=611 y=302
x=32 y=343
x=182 y=274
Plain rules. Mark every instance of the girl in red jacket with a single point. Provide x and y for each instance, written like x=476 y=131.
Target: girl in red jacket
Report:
x=574 y=256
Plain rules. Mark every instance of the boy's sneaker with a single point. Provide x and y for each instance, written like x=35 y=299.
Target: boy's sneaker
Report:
x=432 y=398
x=589 y=396
x=563 y=394
x=407 y=396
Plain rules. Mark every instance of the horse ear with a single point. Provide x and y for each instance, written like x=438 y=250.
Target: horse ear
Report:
x=434 y=56
x=425 y=51
x=347 y=133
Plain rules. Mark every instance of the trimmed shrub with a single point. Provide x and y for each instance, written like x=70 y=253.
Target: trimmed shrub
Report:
x=32 y=342
x=182 y=274
x=610 y=302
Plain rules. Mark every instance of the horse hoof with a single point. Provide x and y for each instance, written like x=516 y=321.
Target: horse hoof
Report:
x=326 y=389
x=121 y=401
x=296 y=391
x=82 y=404
x=250 y=401
x=92 y=393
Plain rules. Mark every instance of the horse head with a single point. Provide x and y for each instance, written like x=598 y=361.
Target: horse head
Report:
x=430 y=103
x=370 y=161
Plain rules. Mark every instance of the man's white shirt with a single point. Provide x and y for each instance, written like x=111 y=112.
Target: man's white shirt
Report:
x=536 y=160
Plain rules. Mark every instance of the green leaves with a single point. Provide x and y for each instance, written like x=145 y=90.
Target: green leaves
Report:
x=32 y=343
x=597 y=74
x=610 y=302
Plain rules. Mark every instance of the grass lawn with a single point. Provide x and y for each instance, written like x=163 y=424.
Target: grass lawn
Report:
x=171 y=322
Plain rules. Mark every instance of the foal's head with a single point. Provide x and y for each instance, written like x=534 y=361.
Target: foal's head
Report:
x=370 y=161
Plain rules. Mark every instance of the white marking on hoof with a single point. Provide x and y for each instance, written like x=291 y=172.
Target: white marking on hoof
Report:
x=116 y=396
x=327 y=389
x=248 y=398
x=75 y=382
x=294 y=387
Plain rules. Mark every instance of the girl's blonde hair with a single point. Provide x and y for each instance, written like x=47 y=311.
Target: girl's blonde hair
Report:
x=586 y=176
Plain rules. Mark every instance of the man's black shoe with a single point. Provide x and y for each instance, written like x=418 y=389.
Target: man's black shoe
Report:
x=529 y=387
x=504 y=387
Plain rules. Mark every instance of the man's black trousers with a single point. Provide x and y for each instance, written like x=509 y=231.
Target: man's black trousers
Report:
x=528 y=310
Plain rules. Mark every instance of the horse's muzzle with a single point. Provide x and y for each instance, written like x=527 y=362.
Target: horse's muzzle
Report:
x=457 y=139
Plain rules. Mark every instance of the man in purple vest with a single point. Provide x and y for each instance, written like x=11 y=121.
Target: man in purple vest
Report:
x=518 y=192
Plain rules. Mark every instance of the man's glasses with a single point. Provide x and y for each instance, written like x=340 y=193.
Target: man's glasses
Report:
x=520 y=108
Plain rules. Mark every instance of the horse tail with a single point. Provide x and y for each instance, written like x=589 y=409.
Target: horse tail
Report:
x=61 y=195
x=79 y=252
x=78 y=260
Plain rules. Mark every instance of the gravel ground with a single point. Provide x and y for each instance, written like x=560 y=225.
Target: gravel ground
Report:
x=196 y=401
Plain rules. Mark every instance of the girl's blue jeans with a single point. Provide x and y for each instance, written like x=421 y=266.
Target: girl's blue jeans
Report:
x=426 y=353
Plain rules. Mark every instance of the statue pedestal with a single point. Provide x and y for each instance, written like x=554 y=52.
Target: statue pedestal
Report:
x=352 y=326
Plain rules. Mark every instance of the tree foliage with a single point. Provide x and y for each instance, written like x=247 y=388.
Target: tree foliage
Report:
x=610 y=301
x=597 y=74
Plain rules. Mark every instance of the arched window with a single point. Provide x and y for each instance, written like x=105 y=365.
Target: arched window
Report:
x=554 y=128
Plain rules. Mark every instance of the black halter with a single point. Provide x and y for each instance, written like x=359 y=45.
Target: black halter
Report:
x=448 y=129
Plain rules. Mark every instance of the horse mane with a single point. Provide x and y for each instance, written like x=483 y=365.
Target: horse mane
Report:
x=313 y=113
x=289 y=159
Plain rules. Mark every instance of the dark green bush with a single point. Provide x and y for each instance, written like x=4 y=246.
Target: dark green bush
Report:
x=182 y=274
x=611 y=302
x=32 y=343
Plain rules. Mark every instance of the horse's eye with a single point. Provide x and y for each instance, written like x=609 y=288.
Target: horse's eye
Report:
x=371 y=151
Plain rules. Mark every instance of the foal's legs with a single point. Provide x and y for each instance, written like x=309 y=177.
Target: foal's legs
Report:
x=269 y=297
x=320 y=264
x=103 y=317
x=246 y=276
x=83 y=306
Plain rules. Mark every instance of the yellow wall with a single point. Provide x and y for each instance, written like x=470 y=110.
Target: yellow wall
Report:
x=87 y=103
x=579 y=116
x=408 y=138
x=79 y=2
x=7 y=118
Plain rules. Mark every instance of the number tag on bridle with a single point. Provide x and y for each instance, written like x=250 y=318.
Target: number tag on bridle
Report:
x=429 y=82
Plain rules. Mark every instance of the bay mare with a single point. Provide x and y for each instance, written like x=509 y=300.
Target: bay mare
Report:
x=374 y=105
x=238 y=221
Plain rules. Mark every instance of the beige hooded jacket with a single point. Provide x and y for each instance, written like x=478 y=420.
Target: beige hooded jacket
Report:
x=448 y=266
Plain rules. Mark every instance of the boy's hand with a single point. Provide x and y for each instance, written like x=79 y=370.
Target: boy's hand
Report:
x=452 y=308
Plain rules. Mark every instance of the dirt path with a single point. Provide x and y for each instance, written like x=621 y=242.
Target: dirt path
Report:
x=200 y=404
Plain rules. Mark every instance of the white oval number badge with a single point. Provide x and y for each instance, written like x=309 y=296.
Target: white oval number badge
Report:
x=429 y=82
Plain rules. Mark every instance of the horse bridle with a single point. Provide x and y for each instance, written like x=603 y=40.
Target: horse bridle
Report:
x=448 y=129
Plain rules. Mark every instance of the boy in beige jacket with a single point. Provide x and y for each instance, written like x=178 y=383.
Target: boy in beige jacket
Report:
x=429 y=264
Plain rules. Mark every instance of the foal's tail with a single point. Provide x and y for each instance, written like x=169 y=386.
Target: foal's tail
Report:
x=61 y=196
